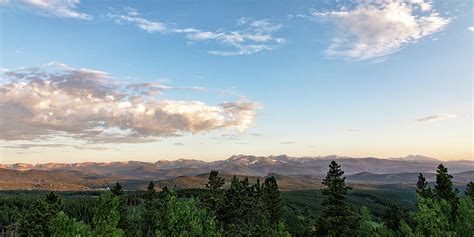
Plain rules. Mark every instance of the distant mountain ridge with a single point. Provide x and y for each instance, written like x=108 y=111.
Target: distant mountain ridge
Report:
x=256 y=165
x=301 y=172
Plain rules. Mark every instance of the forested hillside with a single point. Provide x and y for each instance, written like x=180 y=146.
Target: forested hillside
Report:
x=245 y=208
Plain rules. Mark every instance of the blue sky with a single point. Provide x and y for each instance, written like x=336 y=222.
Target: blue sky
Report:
x=300 y=78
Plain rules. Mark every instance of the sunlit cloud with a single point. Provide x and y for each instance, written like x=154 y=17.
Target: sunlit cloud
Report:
x=434 y=118
x=58 y=8
x=55 y=100
x=374 y=29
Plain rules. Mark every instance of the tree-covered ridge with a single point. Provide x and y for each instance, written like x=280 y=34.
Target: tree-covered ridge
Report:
x=244 y=209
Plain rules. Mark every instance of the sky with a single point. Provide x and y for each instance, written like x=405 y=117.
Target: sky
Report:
x=164 y=80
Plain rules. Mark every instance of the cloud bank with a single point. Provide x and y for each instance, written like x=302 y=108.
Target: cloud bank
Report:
x=374 y=29
x=55 y=100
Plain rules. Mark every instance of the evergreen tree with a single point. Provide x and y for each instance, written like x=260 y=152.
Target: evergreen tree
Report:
x=272 y=201
x=337 y=218
x=213 y=199
x=36 y=221
x=117 y=189
x=307 y=224
x=150 y=212
x=470 y=190
x=215 y=182
x=243 y=210
x=422 y=187
x=118 y=192
x=444 y=189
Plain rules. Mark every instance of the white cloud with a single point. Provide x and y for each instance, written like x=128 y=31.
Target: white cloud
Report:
x=470 y=28
x=249 y=37
x=56 y=100
x=60 y=8
x=434 y=118
x=378 y=28
x=253 y=36
x=133 y=17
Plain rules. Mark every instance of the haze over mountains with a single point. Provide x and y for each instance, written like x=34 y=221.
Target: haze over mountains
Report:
x=303 y=172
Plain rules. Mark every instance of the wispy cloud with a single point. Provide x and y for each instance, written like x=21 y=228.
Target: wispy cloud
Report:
x=470 y=28
x=250 y=36
x=434 y=118
x=133 y=16
x=287 y=142
x=374 y=29
x=59 y=8
x=25 y=146
x=56 y=100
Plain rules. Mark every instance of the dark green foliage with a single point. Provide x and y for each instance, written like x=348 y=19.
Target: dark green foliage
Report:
x=118 y=192
x=215 y=182
x=337 y=219
x=81 y=208
x=444 y=190
x=465 y=218
x=470 y=190
x=394 y=215
x=150 y=212
x=35 y=222
x=272 y=202
x=117 y=189
x=422 y=187
x=214 y=198
x=243 y=212
x=444 y=185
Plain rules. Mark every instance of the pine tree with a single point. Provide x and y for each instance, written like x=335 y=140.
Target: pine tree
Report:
x=36 y=221
x=422 y=187
x=337 y=218
x=150 y=213
x=470 y=190
x=117 y=189
x=272 y=201
x=444 y=189
x=243 y=212
x=215 y=182
x=118 y=192
x=214 y=198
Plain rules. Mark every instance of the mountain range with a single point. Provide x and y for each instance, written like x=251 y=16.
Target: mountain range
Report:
x=296 y=172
